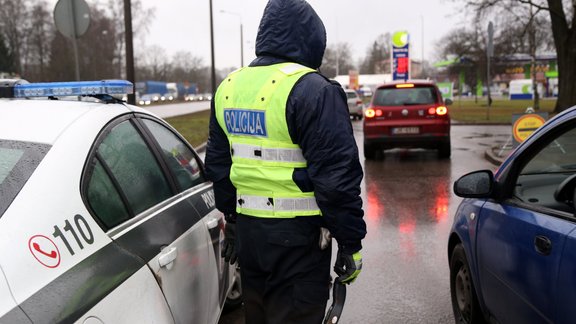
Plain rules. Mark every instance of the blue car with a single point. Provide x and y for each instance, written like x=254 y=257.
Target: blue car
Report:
x=512 y=247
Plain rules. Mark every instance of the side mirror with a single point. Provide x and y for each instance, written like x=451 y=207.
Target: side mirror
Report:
x=448 y=101
x=477 y=184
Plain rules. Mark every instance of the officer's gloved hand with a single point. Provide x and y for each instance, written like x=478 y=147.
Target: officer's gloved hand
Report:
x=348 y=266
x=229 y=248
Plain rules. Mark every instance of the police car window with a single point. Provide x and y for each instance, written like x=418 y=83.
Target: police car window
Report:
x=134 y=167
x=104 y=198
x=180 y=158
x=18 y=160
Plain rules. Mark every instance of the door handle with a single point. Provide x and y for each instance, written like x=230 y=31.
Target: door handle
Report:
x=212 y=223
x=167 y=257
x=543 y=244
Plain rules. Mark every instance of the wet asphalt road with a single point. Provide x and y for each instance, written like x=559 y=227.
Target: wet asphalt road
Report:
x=409 y=206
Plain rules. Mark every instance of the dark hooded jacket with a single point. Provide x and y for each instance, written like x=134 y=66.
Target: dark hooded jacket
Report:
x=318 y=121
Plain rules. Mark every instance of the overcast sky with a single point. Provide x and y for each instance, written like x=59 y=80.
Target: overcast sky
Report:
x=183 y=25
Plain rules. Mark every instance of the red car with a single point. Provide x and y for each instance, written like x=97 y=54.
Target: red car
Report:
x=407 y=115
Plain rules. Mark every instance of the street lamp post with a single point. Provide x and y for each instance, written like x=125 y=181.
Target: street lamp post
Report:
x=213 y=68
x=241 y=35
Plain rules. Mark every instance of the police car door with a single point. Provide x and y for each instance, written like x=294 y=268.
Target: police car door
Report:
x=207 y=273
x=9 y=310
x=155 y=221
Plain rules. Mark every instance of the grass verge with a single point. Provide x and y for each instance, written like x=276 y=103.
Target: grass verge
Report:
x=194 y=127
x=501 y=110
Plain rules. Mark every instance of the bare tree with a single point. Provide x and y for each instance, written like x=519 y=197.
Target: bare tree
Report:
x=337 y=60
x=36 y=57
x=6 y=59
x=563 y=27
x=96 y=55
x=186 y=67
x=153 y=64
x=377 y=55
x=466 y=51
x=14 y=15
x=141 y=19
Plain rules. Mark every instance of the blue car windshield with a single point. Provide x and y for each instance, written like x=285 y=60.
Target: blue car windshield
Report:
x=18 y=160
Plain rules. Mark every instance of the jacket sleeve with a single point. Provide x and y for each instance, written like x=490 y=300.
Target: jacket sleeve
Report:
x=319 y=122
x=217 y=163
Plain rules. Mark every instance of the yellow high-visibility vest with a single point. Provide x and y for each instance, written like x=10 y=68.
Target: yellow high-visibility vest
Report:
x=250 y=107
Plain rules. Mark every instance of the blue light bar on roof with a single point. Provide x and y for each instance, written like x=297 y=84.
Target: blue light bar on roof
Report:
x=77 y=88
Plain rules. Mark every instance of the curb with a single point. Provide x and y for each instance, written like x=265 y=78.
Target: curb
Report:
x=494 y=158
x=201 y=148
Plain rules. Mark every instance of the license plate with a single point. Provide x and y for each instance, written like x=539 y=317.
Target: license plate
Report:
x=405 y=130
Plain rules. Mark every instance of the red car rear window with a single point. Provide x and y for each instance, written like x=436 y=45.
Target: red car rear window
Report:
x=405 y=96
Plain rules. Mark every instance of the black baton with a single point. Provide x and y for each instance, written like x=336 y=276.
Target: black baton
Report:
x=339 y=297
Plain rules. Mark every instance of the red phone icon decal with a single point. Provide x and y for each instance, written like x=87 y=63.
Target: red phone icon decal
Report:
x=44 y=251
x=52 y=254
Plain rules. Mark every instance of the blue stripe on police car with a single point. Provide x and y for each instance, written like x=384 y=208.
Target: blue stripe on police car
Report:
x=245 y=122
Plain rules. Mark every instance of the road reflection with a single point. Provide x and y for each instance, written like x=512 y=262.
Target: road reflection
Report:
x=407 y=187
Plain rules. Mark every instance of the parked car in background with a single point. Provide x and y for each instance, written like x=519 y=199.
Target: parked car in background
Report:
x=512 y=247
x=106 y=215
x=207 y=96
x=145 y=100
x=167 y=97
x=365 y=92
x=407 y=115
x=155 y=97
x=355 y=104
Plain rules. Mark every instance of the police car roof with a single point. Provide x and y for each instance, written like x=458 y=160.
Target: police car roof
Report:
x=36 y=118
x=42 y=121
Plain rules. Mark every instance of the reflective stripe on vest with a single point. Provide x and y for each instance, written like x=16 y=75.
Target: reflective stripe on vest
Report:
x=249 y=151
x=264 y=204
x=250 y=107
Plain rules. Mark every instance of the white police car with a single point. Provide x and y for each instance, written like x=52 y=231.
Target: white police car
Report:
x=105 y=213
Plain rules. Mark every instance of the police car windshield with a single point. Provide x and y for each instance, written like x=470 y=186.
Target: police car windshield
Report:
x=18 y=160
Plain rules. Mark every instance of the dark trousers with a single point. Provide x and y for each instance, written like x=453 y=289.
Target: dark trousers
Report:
x=285 y=275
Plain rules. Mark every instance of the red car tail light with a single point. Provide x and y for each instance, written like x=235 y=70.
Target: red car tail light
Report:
x=440 y=111
x=405 y=85
x=370 y=113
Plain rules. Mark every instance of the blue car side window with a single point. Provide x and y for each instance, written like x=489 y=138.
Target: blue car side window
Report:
x=544 y=175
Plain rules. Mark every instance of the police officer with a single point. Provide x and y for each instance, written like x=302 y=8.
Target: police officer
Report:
x=284 y=162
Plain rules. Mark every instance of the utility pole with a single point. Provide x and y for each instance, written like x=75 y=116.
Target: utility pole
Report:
x=489 y=54
x=532 y=44
x=129 y=49
x=213 y=68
